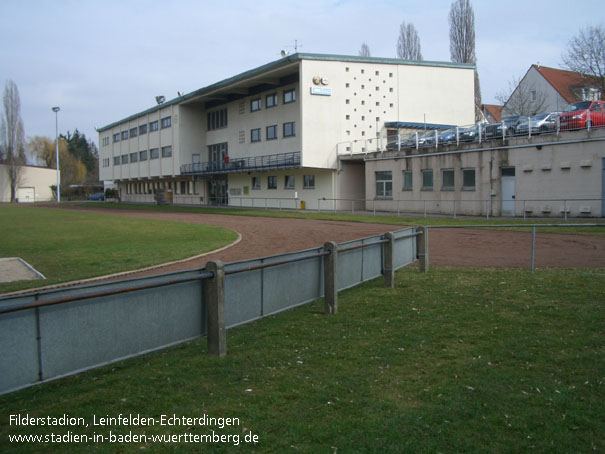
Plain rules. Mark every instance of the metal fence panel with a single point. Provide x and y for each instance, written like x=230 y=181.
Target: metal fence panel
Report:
x=350 y=266
x=18 y=350
x=372 y=261
x=405 y=247
x=292 y=284
x=82 y=334
x=243 y=295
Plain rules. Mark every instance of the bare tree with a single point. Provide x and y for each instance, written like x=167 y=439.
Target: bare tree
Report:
x=586 y=55
x=462 y=42
x=365 y=50
x=521 y=99
x=12 y=149
x=408 y=43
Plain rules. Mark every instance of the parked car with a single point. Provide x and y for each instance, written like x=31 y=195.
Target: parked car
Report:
x=469 y=134
x=494 y=130
x=444 y=137
x=579 y=115
x=544 y=122
x=97 y=196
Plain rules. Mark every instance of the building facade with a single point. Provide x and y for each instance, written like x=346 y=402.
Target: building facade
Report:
x=34 y=184
x=270 y=136
x=541 y=176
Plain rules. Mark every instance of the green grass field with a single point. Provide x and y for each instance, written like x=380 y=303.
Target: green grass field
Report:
x=451 y=361
x=65 y=245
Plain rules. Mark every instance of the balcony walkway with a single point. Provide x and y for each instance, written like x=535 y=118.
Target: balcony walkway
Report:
x=257 y=164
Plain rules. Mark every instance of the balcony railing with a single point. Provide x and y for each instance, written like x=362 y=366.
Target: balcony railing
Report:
x=257 y=163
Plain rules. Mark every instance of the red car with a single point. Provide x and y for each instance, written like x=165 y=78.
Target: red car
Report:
x=579 y=115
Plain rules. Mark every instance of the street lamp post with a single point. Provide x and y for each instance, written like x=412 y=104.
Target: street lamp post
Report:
x=56 y=111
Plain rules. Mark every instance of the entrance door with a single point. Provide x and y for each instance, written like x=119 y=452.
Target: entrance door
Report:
x=219 y=191
x=26 y=195
x=508 y=191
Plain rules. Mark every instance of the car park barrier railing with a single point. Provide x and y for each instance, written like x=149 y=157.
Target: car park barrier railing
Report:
x=433 y=139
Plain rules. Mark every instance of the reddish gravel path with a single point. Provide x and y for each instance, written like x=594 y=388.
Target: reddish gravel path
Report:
x=448 y=247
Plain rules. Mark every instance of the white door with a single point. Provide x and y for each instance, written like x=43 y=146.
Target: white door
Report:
x=508 y=195
x=26 y=195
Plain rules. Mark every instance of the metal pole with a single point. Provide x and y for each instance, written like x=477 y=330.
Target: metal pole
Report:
x=533 y=248
x=56 y=111
x=425 y=208
x=565 y=208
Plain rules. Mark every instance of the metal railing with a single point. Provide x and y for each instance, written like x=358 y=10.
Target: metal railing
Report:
x=532 y=266
x=290 y=203
x=54 y=333
x=431 y=139
x=234 y=165
x=521 y=208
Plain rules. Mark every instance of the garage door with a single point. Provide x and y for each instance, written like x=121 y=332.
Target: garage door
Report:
x=26 y=195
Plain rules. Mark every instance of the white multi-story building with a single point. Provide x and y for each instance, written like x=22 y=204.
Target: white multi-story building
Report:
x=274 y=133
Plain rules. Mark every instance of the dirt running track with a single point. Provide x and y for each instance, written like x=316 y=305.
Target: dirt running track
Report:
x=447 y=247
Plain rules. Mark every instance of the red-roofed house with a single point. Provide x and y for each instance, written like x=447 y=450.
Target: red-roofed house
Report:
x=545 y=89
x=492 y=112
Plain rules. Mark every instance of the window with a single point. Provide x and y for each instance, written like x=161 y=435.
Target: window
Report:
x=143 y=155
x=271 y=182
x=124 y=135
x=133 y=132
x=534 y=95
x=309 y=182
x=183 y=187
x=255 y=182
x=407 y=180
x=166 y=152
x=468 y=179
x=106 y=162
x=166 y=122
x=217 y=152
x=289 y=129
x=154 y=153
x=105 y=141
x=447 y=180
x=116 y=161
x=271 y=100
x=289 y=182
x=142 y=130
x=153 y=126
x=116 y=137
x=255 y=135
x=289 y=96
x=384 y=184
x=217 y=119
x=272 y=132
x=427 y=180
x=255 y=105
x=124 y=159
x=134 y=157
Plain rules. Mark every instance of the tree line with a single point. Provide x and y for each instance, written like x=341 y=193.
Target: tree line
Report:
x=78 y=156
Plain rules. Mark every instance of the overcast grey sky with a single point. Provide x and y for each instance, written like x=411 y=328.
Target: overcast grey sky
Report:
x=101 y=61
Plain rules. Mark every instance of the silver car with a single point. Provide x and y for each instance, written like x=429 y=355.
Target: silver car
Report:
x=544 y=122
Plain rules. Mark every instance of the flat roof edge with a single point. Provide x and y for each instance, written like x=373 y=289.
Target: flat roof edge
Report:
x=281 y=62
